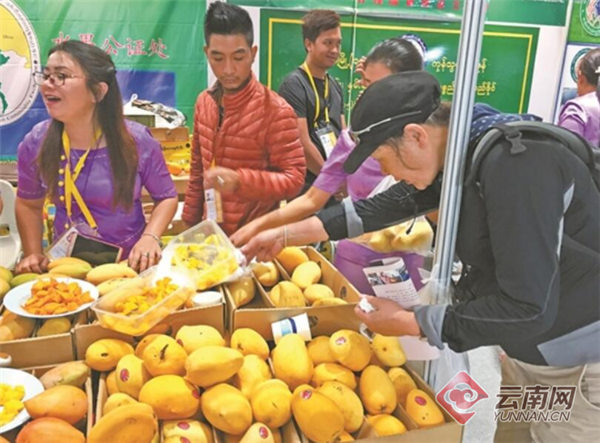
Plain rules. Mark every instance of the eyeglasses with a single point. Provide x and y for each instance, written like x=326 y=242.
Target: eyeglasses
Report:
x=355 y=134
x=56 y=78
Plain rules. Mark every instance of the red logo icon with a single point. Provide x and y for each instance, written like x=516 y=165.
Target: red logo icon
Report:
x=459 y=396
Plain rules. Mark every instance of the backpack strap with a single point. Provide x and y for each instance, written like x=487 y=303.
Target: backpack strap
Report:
x=514 y=131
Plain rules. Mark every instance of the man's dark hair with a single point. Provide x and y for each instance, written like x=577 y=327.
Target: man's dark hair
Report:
x=227 y=19
x=317 y=21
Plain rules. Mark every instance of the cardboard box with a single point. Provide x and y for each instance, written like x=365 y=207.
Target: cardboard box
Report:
x=103 y=395
x=324 y=320
x=86 y=334
x=176 y=147
x=42 y=351
x=83 y=427
x=449 y=432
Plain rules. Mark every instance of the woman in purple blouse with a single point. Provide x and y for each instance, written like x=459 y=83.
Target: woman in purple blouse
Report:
x=582 y=114
x=90 y=162
x=387 y=57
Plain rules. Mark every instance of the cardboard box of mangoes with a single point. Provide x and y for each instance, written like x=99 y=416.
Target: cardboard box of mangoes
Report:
x=87 y=333
x=359 y=390
x=29 y=340
x=63 y=411
x=300 y=281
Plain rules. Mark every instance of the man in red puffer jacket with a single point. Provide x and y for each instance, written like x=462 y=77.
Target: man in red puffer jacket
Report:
x=246 y=151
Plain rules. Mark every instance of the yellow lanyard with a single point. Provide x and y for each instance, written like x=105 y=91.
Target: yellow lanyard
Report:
x=71 y=190
x=317 y=101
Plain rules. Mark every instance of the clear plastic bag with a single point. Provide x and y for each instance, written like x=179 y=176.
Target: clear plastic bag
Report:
x=411 y=236
x=206 y=254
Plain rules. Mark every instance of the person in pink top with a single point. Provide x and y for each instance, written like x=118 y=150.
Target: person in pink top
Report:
x=90 y=163
x=387 y=57
x=582 y=114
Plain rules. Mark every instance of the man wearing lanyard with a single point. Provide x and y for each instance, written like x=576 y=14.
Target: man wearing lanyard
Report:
x=316 y=96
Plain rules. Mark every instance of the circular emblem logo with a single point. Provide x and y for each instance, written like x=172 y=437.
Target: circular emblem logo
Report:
x=589 y=14
x=19 y=58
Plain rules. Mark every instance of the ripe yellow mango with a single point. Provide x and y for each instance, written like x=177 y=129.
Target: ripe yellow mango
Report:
x=49 y=430
x=248 y=341
x=388 y=350
x=73 y=373
x=195 y=337
x=258 y=433
x=210 y=365
x=132 y=423
x=177 y=431
x=115 y=400
x=131 y=375
x=254 y=370
x=271 y=403
x=5 y=274
x=13 y=327
x=386 y=424
x=318 y=350
x=290 y=257
x=62 y=401
x=351 y=349
x=306 y=274
x=329 y=301
x=266 y=273
x=111 y=382
x=380 y=241
x=109 y=285
x=287 y=294
x=333 y=372
x=67 y=261
x=291 y=362
x=403 y=384
x=317 y=291
x=75 y=270
x=319 y=418
x=109 y=271
x=54 y=326
x=348 y=402
x=226 y=408
x=423 y=409
x=22 y=278
x=171 y=397
x=104 y=354
x=164 y=355
x=377 y=391
x=242 y=291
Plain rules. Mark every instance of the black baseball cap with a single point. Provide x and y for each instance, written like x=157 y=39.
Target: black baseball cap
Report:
x=385 y=107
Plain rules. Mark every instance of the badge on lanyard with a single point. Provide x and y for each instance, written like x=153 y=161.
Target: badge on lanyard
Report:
x=214 y=209
x=327 y=137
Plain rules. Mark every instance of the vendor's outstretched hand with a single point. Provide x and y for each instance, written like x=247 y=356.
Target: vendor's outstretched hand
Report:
x=243 y=235
x=388 y=318
x=264 y=246
x=37 y=263
x=144 y=254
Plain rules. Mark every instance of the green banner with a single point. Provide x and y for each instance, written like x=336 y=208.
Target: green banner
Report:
x=542 y=12
x=585 y=22
x=156 y=46
x=505 y=67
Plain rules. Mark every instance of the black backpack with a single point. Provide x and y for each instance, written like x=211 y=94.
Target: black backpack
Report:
x=515 y=131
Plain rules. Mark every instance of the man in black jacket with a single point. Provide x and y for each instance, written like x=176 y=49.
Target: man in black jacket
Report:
x=529 y=239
